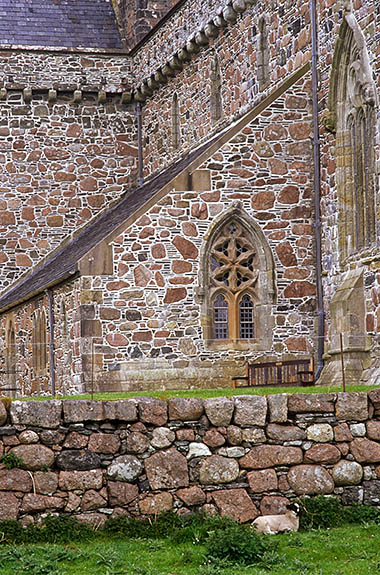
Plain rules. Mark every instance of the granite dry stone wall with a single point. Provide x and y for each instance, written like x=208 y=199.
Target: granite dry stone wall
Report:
x=242 y=456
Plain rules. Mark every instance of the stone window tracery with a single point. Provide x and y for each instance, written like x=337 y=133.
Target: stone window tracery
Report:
x=233 y=275
x=352 y=104
x=236 y=284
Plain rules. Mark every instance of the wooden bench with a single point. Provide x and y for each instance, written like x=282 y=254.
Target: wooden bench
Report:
x=277 y=373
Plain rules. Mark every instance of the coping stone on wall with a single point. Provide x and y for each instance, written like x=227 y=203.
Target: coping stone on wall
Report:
x=278 y=408
x=311 y=403
x=352 y=406
x=219 y=410
x=250 y=410
x=37 y=413
x=152 y=410
x=76 y=411
x=185 y=408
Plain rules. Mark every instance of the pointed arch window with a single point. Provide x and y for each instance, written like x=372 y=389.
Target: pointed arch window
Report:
x=233 y=273
x=352 y=115
x=262 y=55
x=216 y=90
x=246 y=317
x=176 y=130
x=220 y=309
x=11 y=356
x=361 y=133
x=237 y=284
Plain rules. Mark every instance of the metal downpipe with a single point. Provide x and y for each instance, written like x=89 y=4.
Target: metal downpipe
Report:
x=317 y=189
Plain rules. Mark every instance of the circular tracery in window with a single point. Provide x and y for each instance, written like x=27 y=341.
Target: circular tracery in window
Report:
x=233 y=259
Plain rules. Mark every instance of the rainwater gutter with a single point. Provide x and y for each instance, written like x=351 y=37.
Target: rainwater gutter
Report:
x=51 y=341
x=317 y=190
x=140 y=164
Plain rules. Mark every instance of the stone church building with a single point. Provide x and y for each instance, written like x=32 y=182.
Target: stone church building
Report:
x=186 y=185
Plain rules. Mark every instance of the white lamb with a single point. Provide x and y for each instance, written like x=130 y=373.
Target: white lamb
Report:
x=272 y=524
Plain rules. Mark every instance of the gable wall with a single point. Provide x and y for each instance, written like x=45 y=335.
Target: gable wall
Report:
x=61 y=162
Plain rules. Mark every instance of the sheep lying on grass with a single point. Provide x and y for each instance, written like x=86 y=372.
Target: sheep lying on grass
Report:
x=272 y=524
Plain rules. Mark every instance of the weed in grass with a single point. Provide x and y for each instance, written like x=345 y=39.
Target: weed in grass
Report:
x=107 y=559
x=239 y=544
x=37 y=560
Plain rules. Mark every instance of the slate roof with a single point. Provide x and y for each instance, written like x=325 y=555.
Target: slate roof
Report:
x=59 y=23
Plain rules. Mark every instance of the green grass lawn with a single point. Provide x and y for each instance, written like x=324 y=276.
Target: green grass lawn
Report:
x=206 y=393
x=351 y=550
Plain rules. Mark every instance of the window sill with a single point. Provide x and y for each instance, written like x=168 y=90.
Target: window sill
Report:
x=235 y=344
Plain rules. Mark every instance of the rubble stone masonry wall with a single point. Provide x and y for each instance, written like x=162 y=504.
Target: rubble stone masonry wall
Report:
x=242 y=456
x=237 y=47
x=67 y=149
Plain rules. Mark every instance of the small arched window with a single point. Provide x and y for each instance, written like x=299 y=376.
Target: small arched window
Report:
x=360 y=128
x=176 y=129
x=216 y=91
x=220 y=309
x=11 y=356
x=262 y=55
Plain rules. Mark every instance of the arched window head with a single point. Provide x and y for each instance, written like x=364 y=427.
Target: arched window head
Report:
x=216 y=90
x=176 y=129
x=352 y=114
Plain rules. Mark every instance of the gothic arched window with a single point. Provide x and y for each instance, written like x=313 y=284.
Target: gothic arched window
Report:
x=236 y=284
x=216 y=91
x=233 y=274
x=352 y=114
x=176 y=130
x=11 y=356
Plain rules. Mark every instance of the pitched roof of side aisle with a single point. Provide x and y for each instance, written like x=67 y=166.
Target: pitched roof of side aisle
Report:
x=59 y=23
